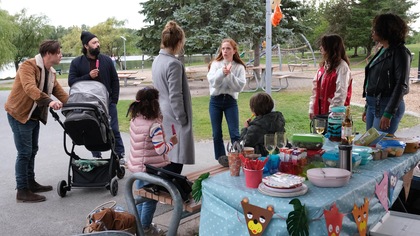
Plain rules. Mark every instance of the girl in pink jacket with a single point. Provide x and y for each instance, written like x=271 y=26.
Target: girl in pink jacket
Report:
x=148 y=146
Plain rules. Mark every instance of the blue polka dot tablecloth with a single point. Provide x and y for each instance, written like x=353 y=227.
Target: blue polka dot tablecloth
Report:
x=222 y=214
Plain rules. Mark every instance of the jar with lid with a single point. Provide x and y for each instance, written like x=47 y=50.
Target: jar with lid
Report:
x=335 y=120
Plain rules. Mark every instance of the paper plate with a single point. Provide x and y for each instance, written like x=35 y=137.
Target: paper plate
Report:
x=283 y=190
x=282 y=180
x=263 y=189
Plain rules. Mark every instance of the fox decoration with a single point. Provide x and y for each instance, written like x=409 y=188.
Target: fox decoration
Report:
x=361 y=215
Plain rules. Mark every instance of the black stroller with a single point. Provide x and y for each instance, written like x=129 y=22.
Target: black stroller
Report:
x=87 y=123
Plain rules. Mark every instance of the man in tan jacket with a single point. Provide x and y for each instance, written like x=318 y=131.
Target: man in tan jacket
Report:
x=26 y=106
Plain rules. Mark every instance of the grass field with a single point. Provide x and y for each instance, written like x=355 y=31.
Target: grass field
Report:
x=293 y=105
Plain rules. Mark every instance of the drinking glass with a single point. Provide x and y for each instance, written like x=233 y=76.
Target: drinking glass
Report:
x=319 y=126
x=280 y=139
x=270 y=143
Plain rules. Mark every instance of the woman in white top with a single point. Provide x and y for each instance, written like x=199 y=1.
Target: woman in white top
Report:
x=226 y=78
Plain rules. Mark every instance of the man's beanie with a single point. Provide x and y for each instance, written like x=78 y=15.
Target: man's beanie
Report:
x=86 y=37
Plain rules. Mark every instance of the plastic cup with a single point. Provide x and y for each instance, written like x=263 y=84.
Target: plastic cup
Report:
x=253 y=178
x=248 y=151
x=234 y=163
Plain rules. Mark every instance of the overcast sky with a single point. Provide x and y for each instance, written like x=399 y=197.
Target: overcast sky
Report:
x=91 y=12
x=79 y=12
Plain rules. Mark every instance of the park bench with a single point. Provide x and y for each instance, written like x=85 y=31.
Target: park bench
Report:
x=182 y=208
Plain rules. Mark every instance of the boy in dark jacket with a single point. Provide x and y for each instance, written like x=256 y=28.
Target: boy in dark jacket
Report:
x=266 y=121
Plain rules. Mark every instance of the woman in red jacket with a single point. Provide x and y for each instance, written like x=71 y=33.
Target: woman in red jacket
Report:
x=332 y=82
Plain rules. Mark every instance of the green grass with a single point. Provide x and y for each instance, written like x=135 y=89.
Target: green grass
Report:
x=293 y=105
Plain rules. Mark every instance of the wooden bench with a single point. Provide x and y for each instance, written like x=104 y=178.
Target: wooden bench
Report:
x=190 y=206
x=414 y=80
x=292 y=66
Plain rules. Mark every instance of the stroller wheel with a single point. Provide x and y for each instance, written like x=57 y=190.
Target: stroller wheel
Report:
x=114 y=187
x=61 y=188
x=121 y=172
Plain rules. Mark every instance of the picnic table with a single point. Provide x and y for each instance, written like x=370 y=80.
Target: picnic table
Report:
x=257 y=74
x=223 y=193
x=127 y=75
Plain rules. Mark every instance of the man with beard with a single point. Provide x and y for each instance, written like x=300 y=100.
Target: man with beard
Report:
x=94 y=66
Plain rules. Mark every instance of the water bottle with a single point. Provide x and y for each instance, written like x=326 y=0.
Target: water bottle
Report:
x=345 y=156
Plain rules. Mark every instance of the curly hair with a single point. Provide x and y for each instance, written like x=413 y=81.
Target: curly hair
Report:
x=261 y=103
x=335 y=51
x=390 y=27
x=146 y=104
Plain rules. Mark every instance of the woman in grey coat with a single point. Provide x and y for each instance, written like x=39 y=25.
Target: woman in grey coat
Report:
x=169 y=78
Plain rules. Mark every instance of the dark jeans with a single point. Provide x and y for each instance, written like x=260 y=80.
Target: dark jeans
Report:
x=374 y=114
x=229 y=106
x=26 y=142
x=119 y=146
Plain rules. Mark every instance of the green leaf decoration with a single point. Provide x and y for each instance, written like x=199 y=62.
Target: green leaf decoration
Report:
x=297 y=220
x=196 y=187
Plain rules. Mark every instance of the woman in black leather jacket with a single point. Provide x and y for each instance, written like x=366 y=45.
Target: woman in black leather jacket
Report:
x=387 y=75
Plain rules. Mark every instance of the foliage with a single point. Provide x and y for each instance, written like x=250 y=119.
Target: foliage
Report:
x=71 y=43
x=207 y=23
x=297 y=220
x=196 y=187
x=29 y=33
x=7 y=49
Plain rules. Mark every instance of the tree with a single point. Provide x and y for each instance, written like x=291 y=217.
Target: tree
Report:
x=207 y=22
x=29 y=33
x=7 y=49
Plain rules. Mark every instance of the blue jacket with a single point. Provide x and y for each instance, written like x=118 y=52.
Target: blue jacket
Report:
x=80 y=68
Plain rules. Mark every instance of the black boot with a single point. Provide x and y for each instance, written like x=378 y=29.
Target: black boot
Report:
x=26 y=195
x=37 y=188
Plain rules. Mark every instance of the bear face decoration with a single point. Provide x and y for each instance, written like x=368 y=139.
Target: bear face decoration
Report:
x=257 y=218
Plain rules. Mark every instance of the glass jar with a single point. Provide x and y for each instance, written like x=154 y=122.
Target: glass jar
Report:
x=335 y=120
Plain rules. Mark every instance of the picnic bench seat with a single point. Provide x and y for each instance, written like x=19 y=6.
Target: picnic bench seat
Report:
x=181 y=209
x=292 y=66
x=127 y=75
x=414 y=80
x=190 y=206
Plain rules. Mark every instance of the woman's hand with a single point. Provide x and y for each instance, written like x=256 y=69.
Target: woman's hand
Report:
x=364 y=116
x=226 y=68
x=385 y=123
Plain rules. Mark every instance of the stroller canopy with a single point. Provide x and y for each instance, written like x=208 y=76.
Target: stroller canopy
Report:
x=89 y=91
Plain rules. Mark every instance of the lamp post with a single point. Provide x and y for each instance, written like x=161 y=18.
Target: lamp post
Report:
x=125 y=58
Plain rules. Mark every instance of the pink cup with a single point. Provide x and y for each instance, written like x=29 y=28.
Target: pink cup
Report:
x=253 y=178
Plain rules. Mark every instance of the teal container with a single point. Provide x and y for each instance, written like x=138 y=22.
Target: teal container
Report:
x=335 y=120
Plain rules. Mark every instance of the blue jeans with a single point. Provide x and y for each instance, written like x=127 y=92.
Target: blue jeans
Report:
x=145 y=209
x=220 y=104
x=374 y=114
x=26 y=142
x=119 y=146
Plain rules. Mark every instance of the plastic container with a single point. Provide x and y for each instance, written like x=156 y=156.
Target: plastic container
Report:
x=335 y=120
x=328 y=177
x=308 y=141
x=331 y=159
x=394 y=148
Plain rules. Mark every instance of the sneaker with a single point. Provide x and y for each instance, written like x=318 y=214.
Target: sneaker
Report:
x=223 y=160
x=153 y=230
